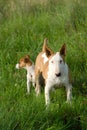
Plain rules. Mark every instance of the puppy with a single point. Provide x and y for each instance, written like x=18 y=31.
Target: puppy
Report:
x=26 y=63
x=54 y=70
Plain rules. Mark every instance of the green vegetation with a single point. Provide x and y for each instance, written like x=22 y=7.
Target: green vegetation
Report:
x=23 y=26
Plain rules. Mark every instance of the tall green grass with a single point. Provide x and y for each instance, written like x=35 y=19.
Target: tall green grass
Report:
x=23 y=26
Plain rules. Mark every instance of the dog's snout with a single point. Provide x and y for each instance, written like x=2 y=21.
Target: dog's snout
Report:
x=58 y=74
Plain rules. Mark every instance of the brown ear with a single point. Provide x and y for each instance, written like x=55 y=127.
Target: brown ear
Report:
x=26 y=59
x=46 y=49
x=49 y=52
x=63 y=50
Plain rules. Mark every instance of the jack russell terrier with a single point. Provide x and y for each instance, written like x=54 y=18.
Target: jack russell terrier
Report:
x=54 y=70
x=26 y=63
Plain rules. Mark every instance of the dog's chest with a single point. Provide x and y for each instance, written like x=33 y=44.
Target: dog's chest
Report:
x=59 y=81
x=30 y=74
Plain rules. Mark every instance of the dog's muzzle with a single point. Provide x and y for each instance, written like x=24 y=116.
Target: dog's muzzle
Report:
x=17 y=66
x=58 y=74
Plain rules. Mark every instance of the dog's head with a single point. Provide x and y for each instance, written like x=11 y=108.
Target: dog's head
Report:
x=23 y=62
x=57 y=62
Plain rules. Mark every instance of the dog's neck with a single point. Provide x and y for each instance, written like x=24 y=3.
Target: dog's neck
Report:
x=29 y=69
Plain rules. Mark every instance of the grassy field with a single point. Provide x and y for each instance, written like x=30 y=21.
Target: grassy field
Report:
x=23 y=26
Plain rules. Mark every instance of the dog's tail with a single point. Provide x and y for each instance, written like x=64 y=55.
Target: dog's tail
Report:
x=45 y=45
x=46 y=49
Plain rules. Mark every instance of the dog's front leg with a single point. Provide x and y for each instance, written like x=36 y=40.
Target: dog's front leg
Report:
x=47 y=93
x=28 y=85
x=37 y=89
x=33 y=84
x=69 y=92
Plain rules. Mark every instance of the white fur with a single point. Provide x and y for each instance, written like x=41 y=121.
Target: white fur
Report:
x=57 y=65
x=17 y=66
x=30 y=75
x=45 y=57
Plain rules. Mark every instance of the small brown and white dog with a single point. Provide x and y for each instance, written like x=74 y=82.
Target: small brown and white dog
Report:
x=26 y=63
x=54 y=70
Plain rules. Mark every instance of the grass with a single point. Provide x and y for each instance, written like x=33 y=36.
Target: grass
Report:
x=22 y=30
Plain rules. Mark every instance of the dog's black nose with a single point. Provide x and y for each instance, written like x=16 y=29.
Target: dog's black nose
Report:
x=58 y=75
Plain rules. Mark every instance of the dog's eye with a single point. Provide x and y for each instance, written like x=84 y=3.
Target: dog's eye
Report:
x=51 y=61
x=60 y=61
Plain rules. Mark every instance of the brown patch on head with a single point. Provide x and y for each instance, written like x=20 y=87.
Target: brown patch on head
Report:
x=25 y=61
x=46 y=49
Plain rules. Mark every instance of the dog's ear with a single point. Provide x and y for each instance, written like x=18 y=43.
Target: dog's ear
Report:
x=26 y=59
x=49 y=52
x=46 y=49
x=63 y=50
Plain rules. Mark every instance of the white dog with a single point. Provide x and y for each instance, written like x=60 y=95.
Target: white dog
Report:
x=55 y=71
x=26 y=63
